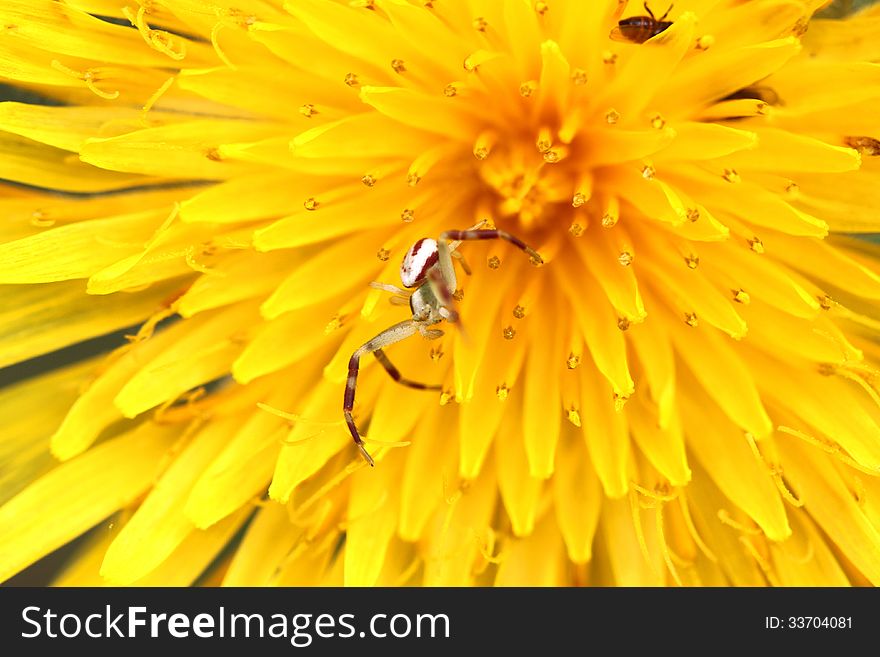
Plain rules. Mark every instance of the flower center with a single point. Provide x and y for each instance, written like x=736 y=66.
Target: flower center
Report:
x=526 y=181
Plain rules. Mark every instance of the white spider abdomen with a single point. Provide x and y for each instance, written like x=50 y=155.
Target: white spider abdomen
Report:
x=418 y=260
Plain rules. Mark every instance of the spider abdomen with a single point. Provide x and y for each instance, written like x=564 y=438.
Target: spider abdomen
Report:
x=418 y=260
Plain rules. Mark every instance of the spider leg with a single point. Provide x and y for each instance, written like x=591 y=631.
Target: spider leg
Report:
x=457 y=243
x=398 y=377
x=387 y=337
x=650 y=13
x=663 y=17
x=439 y=281
x=376 y=285
x=400 y=296
x=464 y=265
x=494 y=234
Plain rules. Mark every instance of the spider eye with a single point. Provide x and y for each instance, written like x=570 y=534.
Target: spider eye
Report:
x=418 y=260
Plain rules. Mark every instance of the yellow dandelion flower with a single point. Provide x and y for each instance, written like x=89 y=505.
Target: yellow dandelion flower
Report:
x=686 y=392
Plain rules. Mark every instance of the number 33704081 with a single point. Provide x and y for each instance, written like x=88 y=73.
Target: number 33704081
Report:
x=808 y=622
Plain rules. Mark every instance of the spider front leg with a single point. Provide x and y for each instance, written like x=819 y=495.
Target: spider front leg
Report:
x=401 y=296
x=375 y=346
x=453 y=246
x=491 y=234
x=464 y=265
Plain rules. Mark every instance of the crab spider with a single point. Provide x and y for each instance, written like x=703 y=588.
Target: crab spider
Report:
x=429 y=278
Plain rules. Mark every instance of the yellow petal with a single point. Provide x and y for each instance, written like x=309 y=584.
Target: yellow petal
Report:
x=42 y=318
x=372 y=520
x=203 y=353
x=247 y=197
x=263 y=549
x=537 y=560
x=480 y=416
x=339 y=213
x=276 y=152
x=93 y=411
x=198 y=550
x=780 y=150
x=520 y=491
x=650 y=67
x=806 y=559
x=760 y=278
x=28 y=416
x=832 y=505
x=707 y=506
x=815 y=86
x=334 y=24
x=311 y=568
x=182 y=150
x=31 y=163
x=481 y=300
x=832 y=405
x=737 y=25
x=242 y=469
x=459 y=542
x=244 y=87
x=430 y=468
x=399 y=413
x=542 y=409
x=705 y=141
x=76 y=250
x=580 y=31
x=299 y=289
x=234 y=279
x=606 y=433
x=689 y=290
x=751 y=202
x=599 y=327
x=273 y=346
x=577 y=496
x=309 y=446
x=355 y=136
x=294 y=42
x=779 y=333
x=719 y=366
x=146 y=268
x=664 y=447
x=554 y=81
x=830 y=262
x=65 y=127
x=652 y=197
x=46 y=515
x=613 y=145
x=417 y=110
x=81 y=568
x=657 y=361
x=717 y=73
x=740 y=475
x=159 y=524
x=32 y=212
x=521 y=27
x=63 y=29
x=627 y=547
